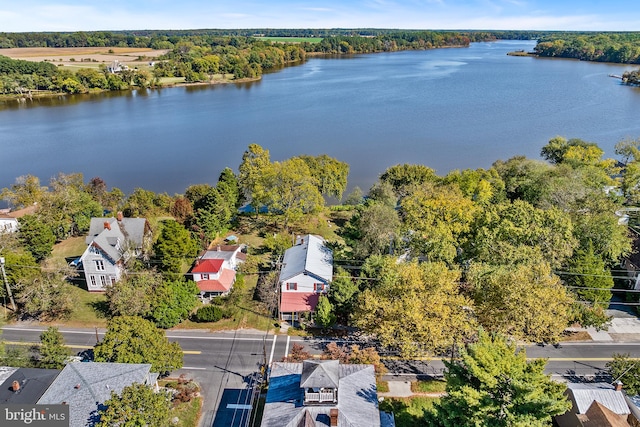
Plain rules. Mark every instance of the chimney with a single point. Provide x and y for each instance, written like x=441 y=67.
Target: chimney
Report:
x=333 y=415
x=618 y=385
x=119 y=216
x=15 y=386
x=107 y=226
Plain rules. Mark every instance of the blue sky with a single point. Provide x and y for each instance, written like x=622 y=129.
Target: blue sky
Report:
x=74 y=15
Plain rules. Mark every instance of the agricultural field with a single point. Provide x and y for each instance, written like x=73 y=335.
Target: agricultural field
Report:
x=85 y=57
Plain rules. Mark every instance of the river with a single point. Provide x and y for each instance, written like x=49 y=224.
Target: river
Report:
x=446 y=108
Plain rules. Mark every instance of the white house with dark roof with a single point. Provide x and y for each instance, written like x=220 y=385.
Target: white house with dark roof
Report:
x=307 y=271
x=215 y=270
x=110 y=243
x=86 y=386
x=323 y=393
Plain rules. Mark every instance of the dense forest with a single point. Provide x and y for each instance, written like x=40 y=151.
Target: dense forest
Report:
x=621 y=48
x=166 y=39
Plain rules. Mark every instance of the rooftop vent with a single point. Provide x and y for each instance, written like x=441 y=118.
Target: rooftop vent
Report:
x=15 y=386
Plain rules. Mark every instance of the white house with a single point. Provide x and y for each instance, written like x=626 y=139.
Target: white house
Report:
x=111 y=242
x=215 y=270
x=307 y=270
x=9 y=219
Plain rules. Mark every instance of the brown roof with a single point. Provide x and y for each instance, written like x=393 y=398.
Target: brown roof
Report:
x=29 y=210
x=599 y=415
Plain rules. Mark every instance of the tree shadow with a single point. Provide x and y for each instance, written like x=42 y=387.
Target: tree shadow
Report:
x=101 y=308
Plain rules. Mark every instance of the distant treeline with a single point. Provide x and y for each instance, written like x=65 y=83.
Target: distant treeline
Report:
x=166 y=39
x=623 y=48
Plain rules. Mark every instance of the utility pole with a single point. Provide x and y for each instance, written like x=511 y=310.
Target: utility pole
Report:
x=6 y=284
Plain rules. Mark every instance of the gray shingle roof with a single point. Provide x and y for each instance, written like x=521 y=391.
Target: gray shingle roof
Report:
x=310 y=256
x=85 y=386
x=320 y=373
x=33 y=383
x=357 y=398
x=129 y=231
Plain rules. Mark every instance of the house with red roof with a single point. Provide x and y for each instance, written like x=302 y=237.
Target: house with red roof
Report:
x=215 y=270
x=307 y=270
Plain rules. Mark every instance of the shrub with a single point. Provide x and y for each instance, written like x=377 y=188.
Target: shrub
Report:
x=209 y=313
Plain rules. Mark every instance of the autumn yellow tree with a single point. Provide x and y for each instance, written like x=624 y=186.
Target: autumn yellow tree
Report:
x=415 y=308
x=524 y=301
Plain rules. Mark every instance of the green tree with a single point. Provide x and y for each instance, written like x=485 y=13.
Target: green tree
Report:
x=44 y=297
x=500 y=230
x=436 y=218
x=36 y=237
x=53 y=353
x=415 y=308
x=330 y=174
x=588 y=273
x=25 y=192
x=131 y=339
x=374 y=229
x=229 y=188
x=255 y=165
x=133 y=294
x=291 y=189
x=627 y=370
x=324 y=315
x=355 y=198
x=524 y=301
x=136 y=406
x=173 y=247
x=173 y=303
x=343 y=293
x=404 y=178
x=212 y=213
x=492 y=384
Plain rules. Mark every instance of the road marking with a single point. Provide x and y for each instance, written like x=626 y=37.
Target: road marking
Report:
x=238 y=406
x=8 y=328
x=82 y=346
x=194 y=368
x=286 y=349
x=273 y=348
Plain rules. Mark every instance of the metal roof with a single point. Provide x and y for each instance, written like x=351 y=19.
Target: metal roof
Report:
x=310 y=256
x=584 y=394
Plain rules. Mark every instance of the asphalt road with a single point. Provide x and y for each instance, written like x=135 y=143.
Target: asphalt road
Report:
x=226 y=364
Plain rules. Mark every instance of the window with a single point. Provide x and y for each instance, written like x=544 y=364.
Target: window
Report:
x=292 y=286
x=113 y=280
x=93 y=281
x=205 y=276
x=94 y=250
x=99 y=265
x=319 y=287
x=103 y=280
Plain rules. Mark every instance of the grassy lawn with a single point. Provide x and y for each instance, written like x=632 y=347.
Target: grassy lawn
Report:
x=408 y=412
x=71 y=247
x=188 y=413
x=428 y=386
x=382 y=386
x=171 y=80
x=87 y=308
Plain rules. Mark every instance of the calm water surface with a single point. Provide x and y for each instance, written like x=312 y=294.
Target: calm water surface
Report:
x=446 y=108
